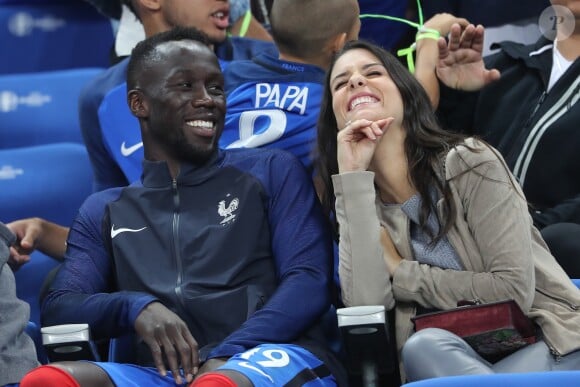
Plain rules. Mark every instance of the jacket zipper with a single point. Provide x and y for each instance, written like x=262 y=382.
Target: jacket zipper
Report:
x=565 y=103
x=561 y=300
x=557 y=355
x=176 y=247
x=536 y=108
x=414 y=310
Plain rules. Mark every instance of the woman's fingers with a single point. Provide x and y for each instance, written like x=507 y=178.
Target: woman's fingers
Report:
x=360 y=129
x=385 y=123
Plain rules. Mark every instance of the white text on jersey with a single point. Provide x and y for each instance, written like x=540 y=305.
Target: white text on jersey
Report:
x=287 y=98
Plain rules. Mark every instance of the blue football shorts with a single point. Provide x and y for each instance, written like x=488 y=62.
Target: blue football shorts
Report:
x=267 y=365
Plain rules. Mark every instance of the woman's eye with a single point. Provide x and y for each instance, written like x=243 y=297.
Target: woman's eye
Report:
x=374 y=74
x=339 y=85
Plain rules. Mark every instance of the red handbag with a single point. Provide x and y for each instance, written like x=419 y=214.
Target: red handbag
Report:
x=493 y=330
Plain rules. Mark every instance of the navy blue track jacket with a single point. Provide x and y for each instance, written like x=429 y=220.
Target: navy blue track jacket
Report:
x=238 y=248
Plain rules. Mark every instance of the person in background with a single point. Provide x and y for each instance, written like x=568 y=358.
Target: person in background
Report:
x=17 y=352
x=427 y=218
x=201 y=258
x=537 y=135
x=244 y=24
x=129 y=30
x=273 y=101
x=503 y=21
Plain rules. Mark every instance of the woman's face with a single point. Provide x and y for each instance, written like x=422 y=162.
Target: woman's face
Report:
x=362 y=88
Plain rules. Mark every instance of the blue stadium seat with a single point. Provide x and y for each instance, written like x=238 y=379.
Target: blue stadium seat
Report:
x=534 y=379
x=29 y=280
x=49 y=181
x=42 y=107
x=576 y=282
x=53 y=35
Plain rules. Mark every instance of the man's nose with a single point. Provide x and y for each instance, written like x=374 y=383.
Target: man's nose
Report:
x=203 y=100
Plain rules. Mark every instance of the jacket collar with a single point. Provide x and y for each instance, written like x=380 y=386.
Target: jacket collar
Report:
x=536 y=56
x=156 y=173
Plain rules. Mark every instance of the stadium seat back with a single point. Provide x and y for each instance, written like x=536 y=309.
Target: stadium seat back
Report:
x=48 y=181
x=53 y=35
x=41 y=108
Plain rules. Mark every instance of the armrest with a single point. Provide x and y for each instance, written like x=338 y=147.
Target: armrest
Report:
x=68 y=342
x=365 y=333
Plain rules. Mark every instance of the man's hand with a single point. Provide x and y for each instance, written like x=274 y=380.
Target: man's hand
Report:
x=166 y=333
x=442 y=22
x=36 y=233
x=28 y=232
x=461 y=63
x=428 y=53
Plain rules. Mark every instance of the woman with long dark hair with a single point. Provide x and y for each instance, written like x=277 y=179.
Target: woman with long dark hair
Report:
x=427 y=218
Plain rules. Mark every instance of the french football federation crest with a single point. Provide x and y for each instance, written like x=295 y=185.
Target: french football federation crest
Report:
x=228 y=212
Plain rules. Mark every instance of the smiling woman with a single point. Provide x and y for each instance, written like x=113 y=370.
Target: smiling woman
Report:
x=426 y=218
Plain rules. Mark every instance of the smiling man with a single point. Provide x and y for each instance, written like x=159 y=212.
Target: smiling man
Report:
x=112 y=144
x=202 y=258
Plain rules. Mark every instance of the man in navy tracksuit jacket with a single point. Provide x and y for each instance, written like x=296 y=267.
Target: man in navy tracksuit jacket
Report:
x=214 y=259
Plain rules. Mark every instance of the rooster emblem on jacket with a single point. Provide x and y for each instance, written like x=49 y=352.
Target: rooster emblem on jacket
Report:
x=228 y=212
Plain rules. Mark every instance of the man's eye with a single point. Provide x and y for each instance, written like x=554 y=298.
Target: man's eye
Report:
x=186 y=85
x=216 y=89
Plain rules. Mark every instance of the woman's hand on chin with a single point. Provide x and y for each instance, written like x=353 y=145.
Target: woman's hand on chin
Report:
x=357 y=142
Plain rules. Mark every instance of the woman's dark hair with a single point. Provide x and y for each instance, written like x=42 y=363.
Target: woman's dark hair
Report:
x=425 y=143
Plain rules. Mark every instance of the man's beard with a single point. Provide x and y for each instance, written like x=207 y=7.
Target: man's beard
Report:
x=181 y=149
x=190 y=153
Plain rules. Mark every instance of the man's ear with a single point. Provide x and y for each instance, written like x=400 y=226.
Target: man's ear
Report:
x=338 y=42
x=137 y=103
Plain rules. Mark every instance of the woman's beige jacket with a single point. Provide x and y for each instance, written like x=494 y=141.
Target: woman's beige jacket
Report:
x=503 y=254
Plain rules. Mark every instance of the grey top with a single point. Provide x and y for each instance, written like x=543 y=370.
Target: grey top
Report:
x=17 y=352
x=441 y=254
